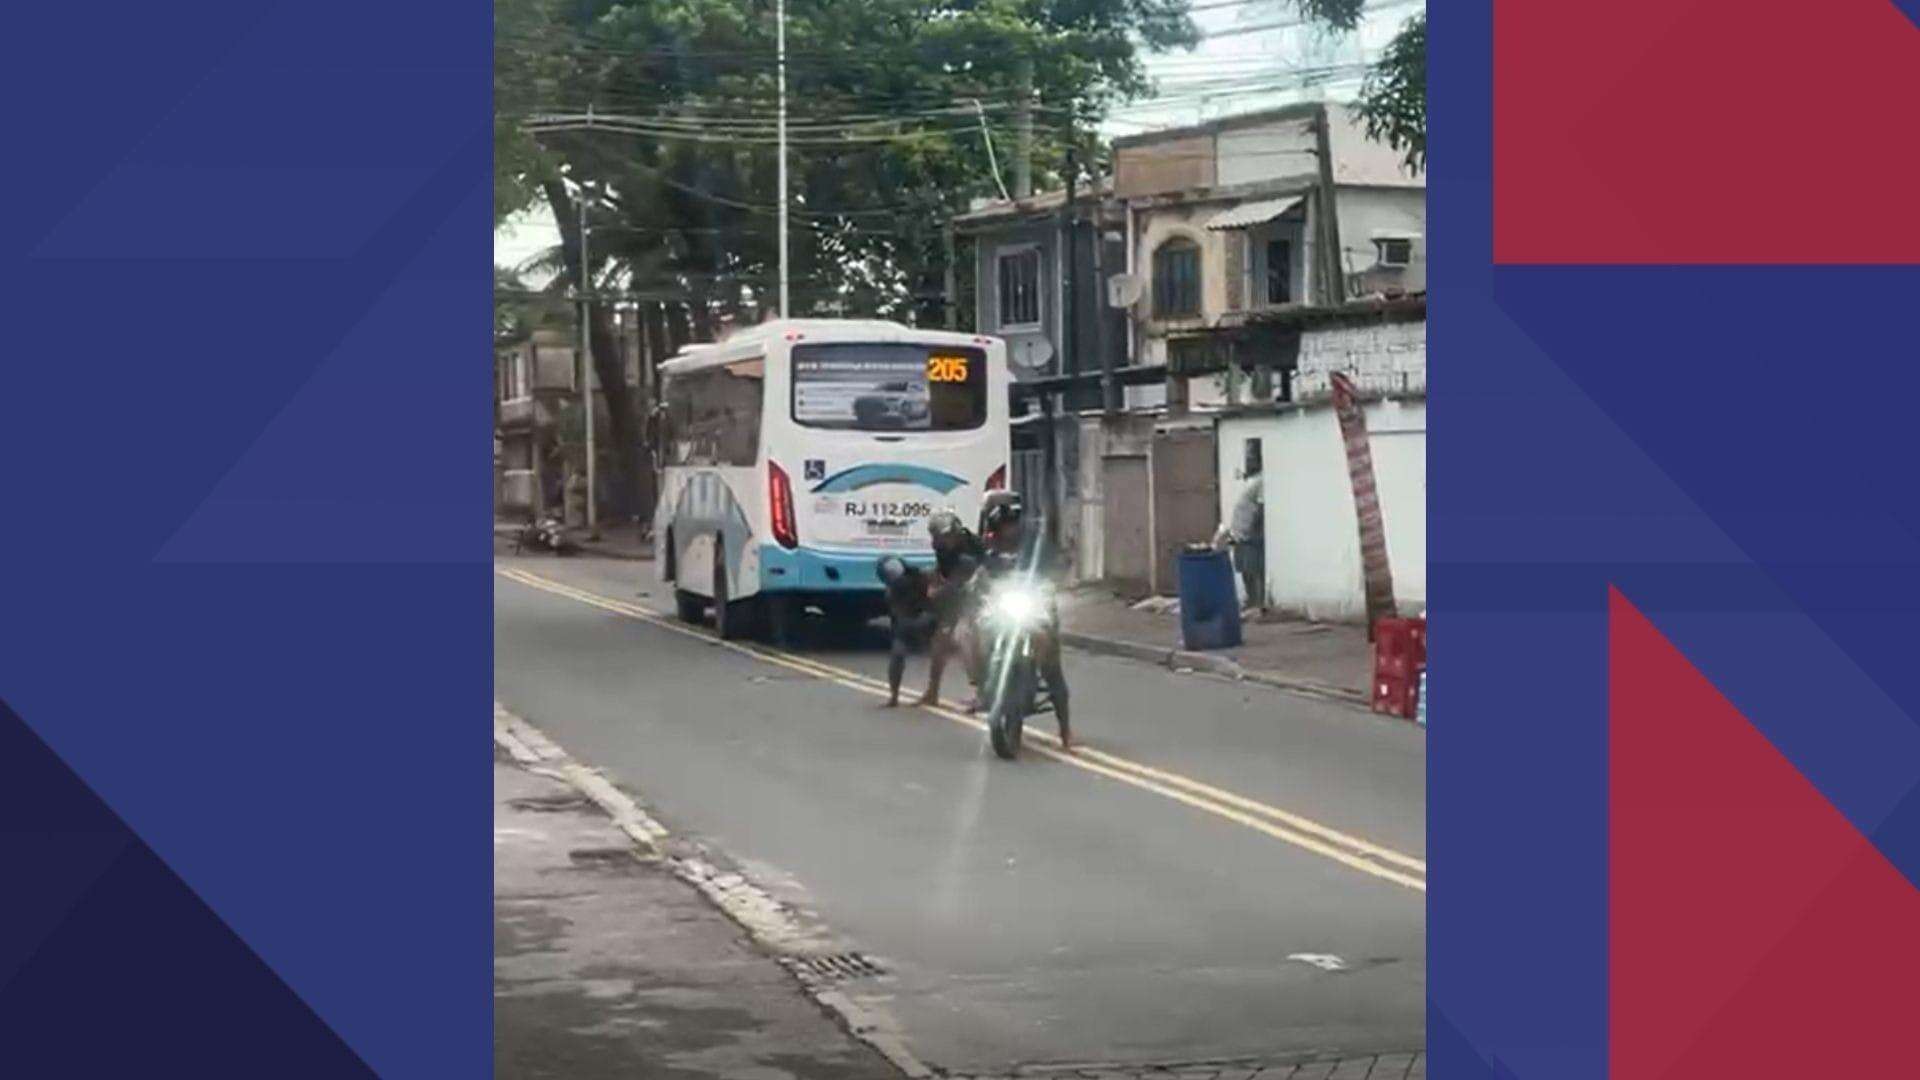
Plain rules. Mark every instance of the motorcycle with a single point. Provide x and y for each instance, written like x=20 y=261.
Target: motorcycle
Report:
x=547 y=534
x=1016 y=622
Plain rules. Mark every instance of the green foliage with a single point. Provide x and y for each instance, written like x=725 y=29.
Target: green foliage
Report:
x=518 y=310
x=512 y=315
x=520 y=77
x=885 y=139
x=1393 y=101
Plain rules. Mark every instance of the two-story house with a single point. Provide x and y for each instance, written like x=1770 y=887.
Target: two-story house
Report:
x=1194 y=273
x=1049 y=306
x=1239 y=217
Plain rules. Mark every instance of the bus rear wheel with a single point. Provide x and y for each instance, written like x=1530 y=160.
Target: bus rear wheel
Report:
x=688 y=606
x=780 y=617
x=732 y=619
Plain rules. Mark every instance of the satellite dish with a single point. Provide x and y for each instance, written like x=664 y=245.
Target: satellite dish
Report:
x=1124 y=290
x=1031 y=353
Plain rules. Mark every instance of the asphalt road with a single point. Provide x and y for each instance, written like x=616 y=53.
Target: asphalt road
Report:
x=1171 y=896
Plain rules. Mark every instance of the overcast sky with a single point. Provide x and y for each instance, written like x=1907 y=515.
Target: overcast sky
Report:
x=1211 y=81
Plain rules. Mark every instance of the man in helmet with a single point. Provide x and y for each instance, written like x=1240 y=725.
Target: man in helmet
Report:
x=1011 y=546
x=910 y=615
x=1002 y=530
x=957 y=555
x=953 y=545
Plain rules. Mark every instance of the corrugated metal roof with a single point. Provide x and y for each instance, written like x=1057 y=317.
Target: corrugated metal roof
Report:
x=1253 y=213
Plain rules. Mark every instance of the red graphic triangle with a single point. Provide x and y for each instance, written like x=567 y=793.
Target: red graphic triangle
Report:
x=1689 y=131
x=1754 y=931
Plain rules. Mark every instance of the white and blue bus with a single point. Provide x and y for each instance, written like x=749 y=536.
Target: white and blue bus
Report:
x=795 y=453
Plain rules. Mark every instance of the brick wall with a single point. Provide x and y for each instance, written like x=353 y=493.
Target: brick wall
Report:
x=1385 y=358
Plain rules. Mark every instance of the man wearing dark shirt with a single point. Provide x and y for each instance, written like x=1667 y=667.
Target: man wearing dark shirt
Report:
x=910 y=615
x=957 y=556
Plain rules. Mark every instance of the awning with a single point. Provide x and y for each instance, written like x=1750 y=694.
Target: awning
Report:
x=1247 y=215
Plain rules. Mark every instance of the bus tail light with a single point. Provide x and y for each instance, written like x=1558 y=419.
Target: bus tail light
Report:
x=998 y=481
x=780 y=496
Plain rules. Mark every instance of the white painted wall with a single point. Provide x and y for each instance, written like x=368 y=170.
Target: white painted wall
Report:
x=1360 y=160
x=1153 y=396
x=1369 y=211
x=1313 y=539
x=1251 y=153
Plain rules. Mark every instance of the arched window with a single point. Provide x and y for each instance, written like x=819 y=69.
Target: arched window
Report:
x=1176 y=279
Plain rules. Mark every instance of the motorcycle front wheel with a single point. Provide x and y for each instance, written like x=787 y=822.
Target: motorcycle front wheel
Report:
x=1007 y=721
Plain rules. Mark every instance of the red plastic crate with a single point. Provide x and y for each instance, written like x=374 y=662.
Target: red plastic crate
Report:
x=1397 y=696
x=1401 y=639
x=1399 y=652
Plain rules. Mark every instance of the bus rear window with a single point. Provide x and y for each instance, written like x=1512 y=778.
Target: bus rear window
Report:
x=858 y=387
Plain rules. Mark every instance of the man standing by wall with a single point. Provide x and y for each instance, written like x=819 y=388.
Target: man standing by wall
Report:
x=1248 y=531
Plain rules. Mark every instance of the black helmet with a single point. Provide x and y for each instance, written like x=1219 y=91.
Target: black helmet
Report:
x=944 y=525
x=1000 y=509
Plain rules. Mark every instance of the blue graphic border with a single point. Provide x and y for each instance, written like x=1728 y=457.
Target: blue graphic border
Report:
x=244 y=587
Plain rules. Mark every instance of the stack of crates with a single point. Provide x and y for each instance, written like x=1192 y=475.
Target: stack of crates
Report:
x=1399 y=655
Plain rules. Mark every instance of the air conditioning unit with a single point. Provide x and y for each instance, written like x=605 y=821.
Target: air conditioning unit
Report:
x=1394 y=250
x=1125 y=290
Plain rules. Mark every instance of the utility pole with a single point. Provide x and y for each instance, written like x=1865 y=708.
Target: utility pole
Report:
x=1334 y=259
x=1023 y=132
x=781 y=35
x=952 y=295
x=1101 y=308
x=586 y=365
x=1069 y=262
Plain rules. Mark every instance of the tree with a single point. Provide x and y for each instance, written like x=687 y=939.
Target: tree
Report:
x=1341 y=15
x=516 y=312
x=1393 y=100
x=520 y=78
x=888 y=98
x=885 y=141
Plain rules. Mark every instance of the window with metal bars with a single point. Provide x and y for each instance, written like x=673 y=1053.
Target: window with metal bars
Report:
x=1176 y=280
x=1019 y=288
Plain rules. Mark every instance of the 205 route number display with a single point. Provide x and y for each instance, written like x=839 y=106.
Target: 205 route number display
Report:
x=946 y=369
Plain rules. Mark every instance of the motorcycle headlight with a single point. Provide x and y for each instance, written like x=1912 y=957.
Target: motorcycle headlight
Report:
x=1021 y=605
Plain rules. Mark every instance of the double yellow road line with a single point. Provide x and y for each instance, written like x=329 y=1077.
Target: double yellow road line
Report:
x=1344 y=848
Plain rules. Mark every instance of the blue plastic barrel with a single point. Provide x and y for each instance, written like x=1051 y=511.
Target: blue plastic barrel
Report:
x=1209 y=600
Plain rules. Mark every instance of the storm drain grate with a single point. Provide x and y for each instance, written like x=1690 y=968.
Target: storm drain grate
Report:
x=602 y=856
x=834 y=967
x=550 y=804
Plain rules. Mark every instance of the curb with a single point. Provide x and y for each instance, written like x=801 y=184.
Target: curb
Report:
x=1168 y=657
x=588 y=547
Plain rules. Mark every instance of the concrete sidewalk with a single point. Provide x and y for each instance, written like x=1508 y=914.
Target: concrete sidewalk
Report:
x=1330 y=660
x=608 y=965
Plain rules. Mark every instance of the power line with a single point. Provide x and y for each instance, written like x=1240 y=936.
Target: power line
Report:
x=743 y=117
x=769 y=208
